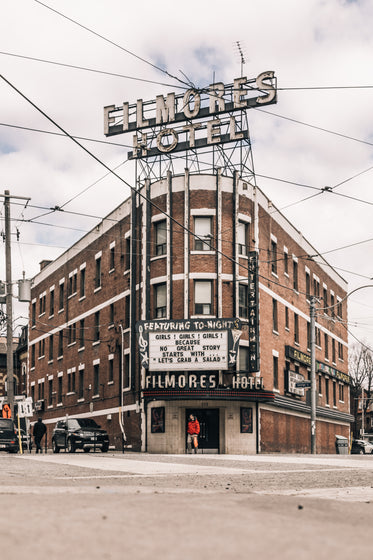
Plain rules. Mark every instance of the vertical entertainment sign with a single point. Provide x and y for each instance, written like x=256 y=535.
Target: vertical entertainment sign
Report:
x=253 y=305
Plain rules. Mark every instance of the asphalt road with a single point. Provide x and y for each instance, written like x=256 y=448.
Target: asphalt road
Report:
x=139 y=506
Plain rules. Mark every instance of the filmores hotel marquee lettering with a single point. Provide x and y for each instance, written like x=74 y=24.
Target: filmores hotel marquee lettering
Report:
x=199 y=117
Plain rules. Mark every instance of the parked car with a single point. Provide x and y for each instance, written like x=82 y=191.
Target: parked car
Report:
x=361 y=447
x=8 y=436
x=79 y=433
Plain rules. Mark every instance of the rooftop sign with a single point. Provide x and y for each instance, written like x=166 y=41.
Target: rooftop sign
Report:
x=195 y=119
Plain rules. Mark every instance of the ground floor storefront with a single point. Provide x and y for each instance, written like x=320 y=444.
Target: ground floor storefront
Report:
x=238 y=427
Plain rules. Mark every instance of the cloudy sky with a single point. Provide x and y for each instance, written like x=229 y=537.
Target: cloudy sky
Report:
x=319 y=134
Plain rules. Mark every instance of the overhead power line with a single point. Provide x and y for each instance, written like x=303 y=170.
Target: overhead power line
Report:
x=94 y=70
x=113 y=43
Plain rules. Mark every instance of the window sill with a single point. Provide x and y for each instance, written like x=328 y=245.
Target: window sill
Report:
x=95 y=397
x=96 y=343
x=80 y=400
x=97 y=289
x=275 y=332
x=207 y=252
x=81 y=298
x=60 y=357
x=157 y=257
x=81 y=349
x=59 y=404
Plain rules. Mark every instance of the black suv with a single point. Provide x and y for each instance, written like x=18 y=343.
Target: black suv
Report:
x=8 y=436
x=79 y=433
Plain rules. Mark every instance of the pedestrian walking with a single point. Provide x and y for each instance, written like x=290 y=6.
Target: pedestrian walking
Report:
x=193 y=430
x=38 y=432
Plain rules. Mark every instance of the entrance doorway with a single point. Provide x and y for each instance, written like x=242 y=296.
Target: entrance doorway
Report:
x=208 y=441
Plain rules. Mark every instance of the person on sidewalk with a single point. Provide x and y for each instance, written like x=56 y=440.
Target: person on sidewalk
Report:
x=38 y=433
x=193 y=430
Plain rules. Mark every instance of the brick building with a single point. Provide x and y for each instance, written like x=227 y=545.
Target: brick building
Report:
x=176 y=254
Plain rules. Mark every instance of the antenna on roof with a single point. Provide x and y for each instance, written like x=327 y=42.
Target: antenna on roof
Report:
x=240 y=49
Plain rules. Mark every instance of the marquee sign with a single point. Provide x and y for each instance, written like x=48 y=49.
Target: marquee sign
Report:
x=192 y=120
x=193 y=344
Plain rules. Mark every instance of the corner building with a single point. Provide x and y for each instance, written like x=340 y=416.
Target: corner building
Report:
x=177 y=252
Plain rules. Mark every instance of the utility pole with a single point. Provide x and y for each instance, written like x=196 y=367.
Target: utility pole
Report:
x=313 y=374
x=9 y=301
x=9 y=305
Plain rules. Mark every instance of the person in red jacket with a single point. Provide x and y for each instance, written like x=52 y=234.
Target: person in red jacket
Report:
x=193 y=431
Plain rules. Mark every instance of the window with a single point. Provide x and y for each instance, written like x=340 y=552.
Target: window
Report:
x=327 y=391
x=243 y=230
x=51 y=347
x=274 y=316
x=340 y=350
x=61 y=296
x=96 y=334
x=96 y=379
x=295 y=275
x=50 y=392
x=60 y=343
x=82 y=283
x=128 y=253
x=202 y=297
x=339 y=308
x=111 y=314
x=287 y=324
x=81 y=333
x=275 y=372
x=286 y=263
x=41 y=391
x=42 y=348
x=308 y=335
x=81 y=384
x=98 y=273
x=243 y=358
x=127 y=314
x=160 y=238
x=42 y=304
x=33 y=314
x=320 y=385
x=325 y=300
x=202 y=228
x=318 y=337
x=59 y=394
x=333 y=351
x=334 y=393
x=332 y=301
x=326 y=344
x=73 y=279
x=296 y=328
x=51 y=303
x=33 y=356
x=341 y=392
x=160 y=297
x=242 y=301
x=112 y=258
x=71 y=381
x=72 y=334
x=308 y=286
x=273 y=256
x=111 y=371
x=316 y=287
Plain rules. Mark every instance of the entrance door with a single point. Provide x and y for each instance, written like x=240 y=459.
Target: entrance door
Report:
x=208 y=441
